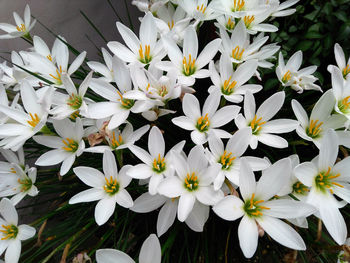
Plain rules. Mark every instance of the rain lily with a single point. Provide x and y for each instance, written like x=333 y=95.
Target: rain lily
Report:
x=107 y=71
x=202 y=124
x=140 y=51
x=149 y=5
x=150 y=253
x=326 y=179
x=167 y=214
x=229 y=157
x=12 y=158
x=280 y=9
x=5 y=102
x=341 y=92
x=68 y=145
x=257 y=208
x=263 y=129
x=231 y=84
x=199 y=9
x=21 y=29
x=291 y=76
x=107 y=187
x=28 y=122
x=188 y=63
x=253 y=22
x=192 y=183
x=157 y=164
x=341 y=61
x=11 y=234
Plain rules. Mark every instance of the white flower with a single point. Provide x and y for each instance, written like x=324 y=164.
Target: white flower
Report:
x=71 y=105
x=18 y=184
x=11 y=234
x=21 y=29
x=326 y=179
x=106 y=70
x=118 y=140
x=140 y=51
x=107 y=187
x=229 y=157
x=341 y=92
x=156 y=164
x=298 y=79
x=150 y=253
x=263 y=129
x=341 y=62
x=188 y=63
x=226 y=21
x=149 y=5
x=12 y=158
x=238 y=47
x=27 y=123
x=5 y=102
x=199 y=9
x=253 y=22
x=202 y=124
x=257 y=208
x=167 y=214
x=231 y=84
x=193 y=182
x=320 y=121
x=68 y=145
x=279 y=10
x=119 y=105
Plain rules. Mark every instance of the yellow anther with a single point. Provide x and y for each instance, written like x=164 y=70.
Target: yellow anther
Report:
x=10 y=231
x=287 y=76
x=125 y=102
x=203 y=123
x=171 y=24
x=248 y=20
x=256 y=124
x=12 y=170
x=346 y=71
x=238 y=5
x=229 y=86
x=314 y=128
x=70 y=145
x=189 y=66
x=226 y=159
x=191 y=182
x=111 y=187
x=201 y=8
x=21 y=28
x=34 y=120
x=49 y=57
x=324 y=180
x=237 y=53
x=159 y=164
x=145 y=55
x=230 y=24
x=115 y=142
x=59 y=75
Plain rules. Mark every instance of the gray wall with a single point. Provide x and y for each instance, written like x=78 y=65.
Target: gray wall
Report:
x=64 y=18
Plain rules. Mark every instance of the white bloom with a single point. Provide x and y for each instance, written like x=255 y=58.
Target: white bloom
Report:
x=202 y=124
x=226 y=21
x=341 y=92
x=253 y=22
x=11 y=234
x=231 y=84
x=193 y=182
x=187 y=62
x=314 y=128
x=149 y=5
x=150 y=253
x=257 y=208
x=341 y=61
x=107 y=187
x=298 y=79
x=326 y=179
x=199 y=9
x=21 y=29
x=156 y=164
x=72 y=104
x=12 y=158
x=5 y=102
x=263 y=129
x=27 y=123
x=68 y=145
x=229 y=157
x=139 y=51
x=167 y=214
x=106 y=70
x=279 y=10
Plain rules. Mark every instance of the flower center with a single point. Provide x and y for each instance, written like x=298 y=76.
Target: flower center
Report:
x=230 y=24
x=191 y=182
x=248 y=20
x=74 y=101
x=238 y=5
x=237 y=53
x=253 y=208
x=9 y=232
x=287 y=76
x=300 y=188
x=116 y=142
x=201 y=8
x=226 y=160
x=346 y=71
x=145 y=55
x=203 y=123
x=21 y=28
x=314 y=129
x=159 y=164
x=171 y=24
x=324 y=181
x=256 y=124
x=112 y=186
x=126 y=103
x=228 y=86
x=189 y=66
x=162 y=91
x=58 y=76
x=26 y=184
x=344 y=105
x=70 y=145
x=34 y=120
x=49 y=57
x=75 y=115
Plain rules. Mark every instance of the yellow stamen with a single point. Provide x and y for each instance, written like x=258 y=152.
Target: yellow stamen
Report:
x=12 y=170
x=58 y=76
x=238 y=5
x=34 y=120
x=287 y=76
x=346 y=71
x=256 y=124
x=191 y=182
x=189 y=66
x=145 y=55
x=111 y=187
x=70 y=145
x=21 y=28
x=201 y=8
x=10 y=231
x=203 y=123
x=171 y=25
x=159 y=164
x=248 y=20
x=49 y=57
x=116 y=142
x=230 y=24
x=226 y=159
x=237 y=53
x=229 y=86
x=314 y=128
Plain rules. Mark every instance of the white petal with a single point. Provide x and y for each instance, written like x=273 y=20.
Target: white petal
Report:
x=147 y=203
x=198 y=138
x=248 y=236
x=67 y=164
x=171 y=187
x=90 y=176
x=109 y=165
x=239 y=142
x=280 y=126
x=25 y=232
x=224 y=116
x=288 y=209
x=271 y=106
x=190 y=43
x=229 y=208
x=306 y=173
x=89 y=195
x=272 y=140
x=8 y=211
x=13 y=251
x=247 y=183
x=140 y=171
x=49 y=141
x=184 y=123
x=328 y=150
x=249 y=106
x=104 y=210
x=186 y=203
x=156 y=144
x=190 y=106
x=150 y=250
x=141 y=154
x=111 y=256
x=166 y=216
x=124 y=199
x=208 y=53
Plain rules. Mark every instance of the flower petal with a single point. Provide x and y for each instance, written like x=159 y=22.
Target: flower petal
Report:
x=248 y=236
x=104 y=210
x=229 y=208
x=150 y=250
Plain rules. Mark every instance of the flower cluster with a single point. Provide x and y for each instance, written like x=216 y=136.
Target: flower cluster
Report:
x=140 y=78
